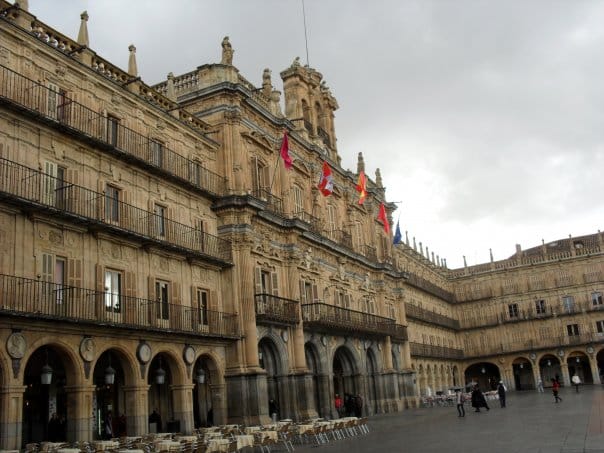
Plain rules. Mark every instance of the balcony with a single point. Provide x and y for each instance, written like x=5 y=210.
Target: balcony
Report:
x=276 y=310
x=36 y=299
x=324 y=136
x=273 y=203
x=329 y=318
x=25 y=187
x=339 y=237
x=58 y=110
x=313 y=222
x=369 y=252
x=421 y=314
x=439 y=352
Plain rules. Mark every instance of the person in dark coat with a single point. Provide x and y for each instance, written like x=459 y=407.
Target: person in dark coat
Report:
x=478 y=399
x=501 y=393
x=358 y=406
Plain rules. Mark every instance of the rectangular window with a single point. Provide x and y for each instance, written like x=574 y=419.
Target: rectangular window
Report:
x=59 y=279
x=596 y=298
x=202 y=306
x=161 y=297
x=265 y=281
x=112 y=204
x=331 y=221
x=600 y=327
x=58 y=106
x=61 y=189
x=112 y=130
x=157 y=153
x=113 y=291
x=195 y=173
x=568 y=304
x=572 y=329
x=540 y=307
x=298 y=200
x=513 y=310
x=159 y=212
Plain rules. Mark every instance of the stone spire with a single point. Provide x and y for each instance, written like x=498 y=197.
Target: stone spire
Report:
x=170 y=93
x=267 y=85
x=378 y=178
x=132 y=69
x=360 y=164
x=83 y=33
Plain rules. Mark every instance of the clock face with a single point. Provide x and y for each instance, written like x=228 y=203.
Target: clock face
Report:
x=144 y=352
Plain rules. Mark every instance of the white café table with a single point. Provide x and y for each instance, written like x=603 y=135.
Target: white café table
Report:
x=105 y=444
x=218 y=445
x=244 y=440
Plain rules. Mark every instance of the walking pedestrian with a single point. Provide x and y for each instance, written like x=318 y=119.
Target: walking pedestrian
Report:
x=555 y=390
x=576 y=381
x=501 y=390
x=339 y=403
x=540 y=386
x=478 y=399
x=460 y=398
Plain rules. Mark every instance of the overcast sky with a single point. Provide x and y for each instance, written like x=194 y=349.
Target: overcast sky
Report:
x=486 y=118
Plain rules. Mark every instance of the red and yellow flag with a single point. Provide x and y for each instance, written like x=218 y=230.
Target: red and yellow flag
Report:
x=362 y=187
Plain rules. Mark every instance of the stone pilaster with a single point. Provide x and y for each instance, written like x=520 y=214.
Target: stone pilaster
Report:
x=79 y=410
x=182 y=397
x=11 y=416
x=137 y=409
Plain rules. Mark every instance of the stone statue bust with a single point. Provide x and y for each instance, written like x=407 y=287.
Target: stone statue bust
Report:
x=227 y=51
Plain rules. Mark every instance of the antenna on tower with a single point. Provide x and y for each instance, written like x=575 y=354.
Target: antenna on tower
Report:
x=305 y=35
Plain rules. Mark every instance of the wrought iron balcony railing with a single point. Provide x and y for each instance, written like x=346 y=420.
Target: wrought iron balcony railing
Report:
x=37 y=299
x=311 y=220
x=323 y=135
x=273 y=309
x=321 y=316
x=440 y=352
x=422 y=314
x=369 y=252
x=56 y=108
x=339 y=236
x=274 y=203
x=23 y=185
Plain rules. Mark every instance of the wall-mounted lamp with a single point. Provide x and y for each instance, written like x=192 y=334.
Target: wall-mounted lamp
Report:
x=549 y=362
x=578 y=360
x=483 y=370
x=46 y=375
x=521 y=365
x=160 y=374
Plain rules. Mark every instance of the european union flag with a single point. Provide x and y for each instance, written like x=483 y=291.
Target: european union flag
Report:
x=398 y=238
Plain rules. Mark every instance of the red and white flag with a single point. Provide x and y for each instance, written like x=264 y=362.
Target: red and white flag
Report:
x=287 y=160
x=326 y=181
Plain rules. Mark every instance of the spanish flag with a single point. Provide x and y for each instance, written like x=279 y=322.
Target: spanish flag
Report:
x=362 y=187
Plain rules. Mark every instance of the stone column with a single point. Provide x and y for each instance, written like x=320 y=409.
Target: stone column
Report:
x=565 y=376
x=137 y=409
x=11 y=417
x=182 y=397
x=79 y=412
x=593 y=364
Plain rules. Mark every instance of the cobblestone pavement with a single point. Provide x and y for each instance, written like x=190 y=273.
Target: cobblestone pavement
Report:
x=531 y=422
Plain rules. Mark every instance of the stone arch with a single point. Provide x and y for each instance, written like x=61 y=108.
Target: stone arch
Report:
x=523 y=373
x=273 y=359
x=344 y=369
x=42 y=400
x=209 y=407
x=578 y=362
x=161 y=395
x=549 y=368
x=484 y=374
x=372 y=396
x=127 y=361
x=317 y=369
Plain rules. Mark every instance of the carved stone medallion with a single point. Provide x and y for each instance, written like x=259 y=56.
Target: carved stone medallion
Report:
x=87 y=349
x=16 y=345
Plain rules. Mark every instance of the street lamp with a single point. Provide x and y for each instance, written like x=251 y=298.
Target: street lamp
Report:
x=160 y=374
x=46 y=375
x=109 y=373
x=200 y=376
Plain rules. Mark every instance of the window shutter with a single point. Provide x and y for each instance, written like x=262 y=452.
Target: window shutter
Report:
x=49 y=183
x=153 y=306
x=258 y=280
x=347 y=300
x=274 y=284
x=315 y=293
x=53 y=98
x=175 y=308
x=47 y=267
x=128 y=302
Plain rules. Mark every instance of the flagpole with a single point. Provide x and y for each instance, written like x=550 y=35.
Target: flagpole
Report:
x=270 y=190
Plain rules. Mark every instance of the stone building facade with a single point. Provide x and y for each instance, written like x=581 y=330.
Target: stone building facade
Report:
x=157 y=256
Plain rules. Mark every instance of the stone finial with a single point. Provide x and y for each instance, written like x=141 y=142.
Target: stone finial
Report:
x=491 y=254
x=276 y=103
x=360 y=164
x=227 y=51
x=170 y=93
x=465 y=264
x=407 y=237
x=432 y=255
x=296 y=63
x=83 y=33
x=23 y=4
x=132 y=68
x=378 y=178
x=267 y=85
x=421 y=249
x=414 y=244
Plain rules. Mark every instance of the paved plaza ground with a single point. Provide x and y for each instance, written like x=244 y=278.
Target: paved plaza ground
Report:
x=531 y=422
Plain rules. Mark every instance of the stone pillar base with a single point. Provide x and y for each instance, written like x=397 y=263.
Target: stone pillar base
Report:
x=247 y=399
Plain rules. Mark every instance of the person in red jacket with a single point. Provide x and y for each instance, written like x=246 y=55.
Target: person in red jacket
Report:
x=555 y=390
x=339 y=403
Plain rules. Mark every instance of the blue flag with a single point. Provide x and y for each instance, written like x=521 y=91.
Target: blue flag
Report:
x=397 y=234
